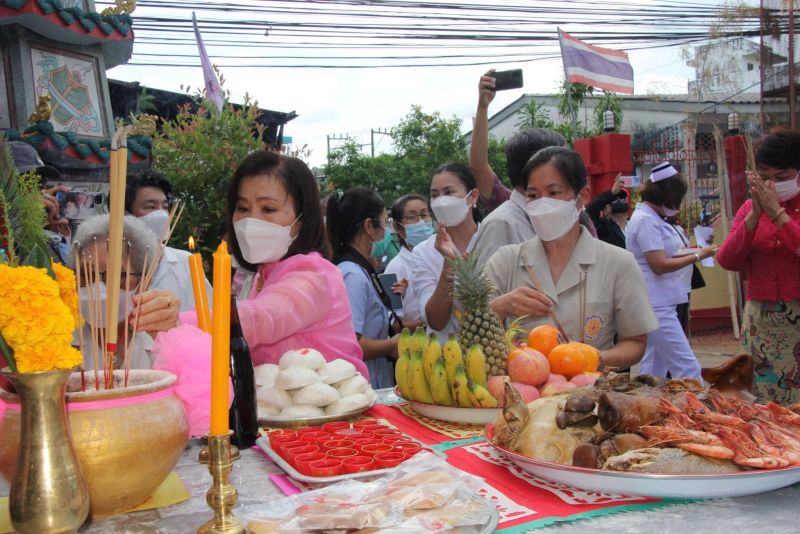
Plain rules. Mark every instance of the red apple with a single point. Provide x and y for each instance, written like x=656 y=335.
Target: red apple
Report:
x=584 y=379
x=528 y=393
x=530 y=367
x=554 y=377
x=497 y=388
x=554 y=388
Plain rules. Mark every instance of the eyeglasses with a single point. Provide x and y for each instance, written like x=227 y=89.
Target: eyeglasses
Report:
x=413 y=218
x=122 y=279
x=382 y=223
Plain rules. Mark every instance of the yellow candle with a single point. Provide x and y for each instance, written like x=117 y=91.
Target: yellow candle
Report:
x=199 y=289
x=220 y=341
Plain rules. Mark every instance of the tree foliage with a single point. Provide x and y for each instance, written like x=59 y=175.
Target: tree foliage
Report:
x=198 y=152
x=422 y=142
x=608 y=101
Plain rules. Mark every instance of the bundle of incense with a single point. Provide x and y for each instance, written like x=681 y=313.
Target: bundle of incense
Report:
x=538 y=286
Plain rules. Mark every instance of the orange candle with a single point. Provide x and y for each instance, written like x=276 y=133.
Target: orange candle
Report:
x=220 y=341
x=199 y=289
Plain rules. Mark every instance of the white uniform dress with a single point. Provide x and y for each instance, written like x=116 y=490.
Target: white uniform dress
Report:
x=668 y=350
x=403 y=266
x=428 y=264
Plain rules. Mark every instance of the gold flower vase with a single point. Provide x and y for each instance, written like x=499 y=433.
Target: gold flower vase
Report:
x=127 y=439
x=48 y=491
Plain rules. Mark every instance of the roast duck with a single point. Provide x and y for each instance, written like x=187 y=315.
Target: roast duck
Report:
x=649 y=424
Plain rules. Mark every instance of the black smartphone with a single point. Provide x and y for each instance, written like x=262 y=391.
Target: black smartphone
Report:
x=387 y=280
x=507 y=79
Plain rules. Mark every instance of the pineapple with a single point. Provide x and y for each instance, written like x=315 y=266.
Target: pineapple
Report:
x=478 y=324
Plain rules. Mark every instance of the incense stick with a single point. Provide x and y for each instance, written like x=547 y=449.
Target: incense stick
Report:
x=127 y=297
x=538 y=286
x=135 y=319
x=79 y=325
x=90 y=303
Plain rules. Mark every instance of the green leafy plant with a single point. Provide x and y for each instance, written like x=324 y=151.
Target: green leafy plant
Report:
x=608 y=101
x=198 y=152
x=533 y=115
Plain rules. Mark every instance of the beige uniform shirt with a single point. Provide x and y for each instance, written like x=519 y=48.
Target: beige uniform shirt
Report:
x=616 y=300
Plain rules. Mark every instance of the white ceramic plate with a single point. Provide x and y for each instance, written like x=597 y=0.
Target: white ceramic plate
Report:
x=276 y=421
x=451 y=414
x=667 y=486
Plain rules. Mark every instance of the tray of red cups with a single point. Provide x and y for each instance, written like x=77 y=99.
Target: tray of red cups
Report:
x=339 y=450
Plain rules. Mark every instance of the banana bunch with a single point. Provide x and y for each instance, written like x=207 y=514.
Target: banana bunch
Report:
x=429 y=372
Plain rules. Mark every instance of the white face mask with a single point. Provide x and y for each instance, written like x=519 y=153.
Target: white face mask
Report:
x=89 y=294
x=450 y=211
x=157 y=221
x=787 y=189
x=552 y=218
x=262 y=241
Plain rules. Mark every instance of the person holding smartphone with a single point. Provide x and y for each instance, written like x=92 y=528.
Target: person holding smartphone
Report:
x=357 y=221
x=413 y=224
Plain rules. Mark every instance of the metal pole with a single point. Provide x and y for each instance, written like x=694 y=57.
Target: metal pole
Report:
x=372 y=141
x=792 y=86
x=761 y=64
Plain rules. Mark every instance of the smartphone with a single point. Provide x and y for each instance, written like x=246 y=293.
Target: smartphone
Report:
x=387 y=280
x=631 y=181
x=507 y=79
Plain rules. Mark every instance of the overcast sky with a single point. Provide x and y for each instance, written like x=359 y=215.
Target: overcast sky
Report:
x=352 y=101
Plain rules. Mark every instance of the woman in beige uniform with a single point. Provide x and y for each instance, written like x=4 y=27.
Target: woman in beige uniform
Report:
x=596 y=289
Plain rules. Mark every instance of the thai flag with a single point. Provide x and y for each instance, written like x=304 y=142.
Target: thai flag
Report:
x=213 y=89
x=595 y=66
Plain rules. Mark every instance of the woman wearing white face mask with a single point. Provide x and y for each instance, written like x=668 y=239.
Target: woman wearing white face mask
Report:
x=357 y=221
x=654 y=243
x=413 y=224
x=297 y=298
x=764 y=244
x=596 y=289
x=453 y=198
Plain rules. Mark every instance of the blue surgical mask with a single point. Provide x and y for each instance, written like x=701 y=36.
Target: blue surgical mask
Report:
x=418 y=232
x=379 y=248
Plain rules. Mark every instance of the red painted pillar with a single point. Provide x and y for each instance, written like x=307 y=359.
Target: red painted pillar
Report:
x=605 y=156
x=736 y=161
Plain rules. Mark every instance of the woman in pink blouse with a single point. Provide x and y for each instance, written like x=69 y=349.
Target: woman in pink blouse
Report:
x=764 y=245
x=298 y=298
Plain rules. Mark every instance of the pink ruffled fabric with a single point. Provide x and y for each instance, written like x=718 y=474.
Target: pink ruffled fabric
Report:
x=186 y=352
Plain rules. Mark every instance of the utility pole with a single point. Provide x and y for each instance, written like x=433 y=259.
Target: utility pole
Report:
x=372 y=133
x=335 y=137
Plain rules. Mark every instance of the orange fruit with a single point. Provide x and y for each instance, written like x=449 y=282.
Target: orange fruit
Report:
x=568 y=359
x=544 y=338
x=592 y=357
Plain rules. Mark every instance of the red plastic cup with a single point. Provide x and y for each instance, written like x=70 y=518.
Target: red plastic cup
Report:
x=344 y=433
x=406 y=445
x=387 y=460
x=280 y=447
x=336 y=444
x=309 y=429
x=365 y=422
x=315 y=437
x=373 y=449
x=336 y=425
x=293 y=453
x=277 y=436
x=302 y=462
x=341 y=452
x=371 y=429
x=357 y=464
x=408 y=452
x=287 y=448
x=386 y=432
x=325 y=468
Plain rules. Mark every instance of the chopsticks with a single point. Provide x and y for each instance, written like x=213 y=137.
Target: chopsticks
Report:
x=538 y=286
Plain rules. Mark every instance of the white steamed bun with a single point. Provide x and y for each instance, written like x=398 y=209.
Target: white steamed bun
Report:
x=274 y=396
x=266 y=374
x=352 y=385
x=267 y=410
x=308 y=358
x=296 y=377
x=318 y=394
x=336 y=371
x=350 y=403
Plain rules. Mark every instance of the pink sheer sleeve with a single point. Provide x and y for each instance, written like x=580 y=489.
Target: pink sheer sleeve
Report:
x=186 y=352
x=789 y=235
x=296 y=301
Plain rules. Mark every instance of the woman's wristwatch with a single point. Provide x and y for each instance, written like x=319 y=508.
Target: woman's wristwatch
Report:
x=696 y=255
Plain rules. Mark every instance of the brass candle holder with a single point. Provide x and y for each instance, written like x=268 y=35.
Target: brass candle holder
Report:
x=222 y=495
